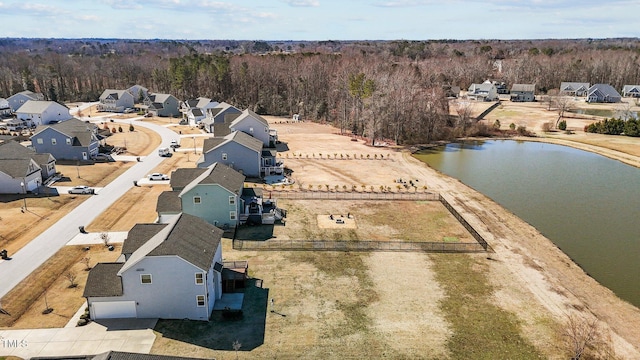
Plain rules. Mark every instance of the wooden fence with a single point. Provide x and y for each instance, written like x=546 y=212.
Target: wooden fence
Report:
x=481 y=241
x=353 y=245
x=318 y=195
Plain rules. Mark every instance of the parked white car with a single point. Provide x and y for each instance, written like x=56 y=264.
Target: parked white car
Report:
x=158 y=176
x=81 y=189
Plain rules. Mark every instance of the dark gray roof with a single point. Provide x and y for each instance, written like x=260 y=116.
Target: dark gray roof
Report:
x=159 y=98
x=524 y=87
x=248 y=113
x=104 y=281
x=80 y=131
x=16 y=168
x=224 y=176
x=221 y=129
x=196 y=112
x=140 y=234
x=605 y=89
x=211 y=143
x=13 y=150
x=193 y=240
x=250 y=192
x=114 y=94
x=246 y=140
x=181 y=177
x=169 y=202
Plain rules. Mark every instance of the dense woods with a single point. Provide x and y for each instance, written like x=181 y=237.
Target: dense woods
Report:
x=384 y=90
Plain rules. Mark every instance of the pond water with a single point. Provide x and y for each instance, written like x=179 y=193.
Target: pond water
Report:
x=587 y=204
x=604 y=113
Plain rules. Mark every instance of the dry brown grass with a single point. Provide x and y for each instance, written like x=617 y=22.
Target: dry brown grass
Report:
x=64 y=301
x=139 y=142
x=18 y=228
x=100 y=174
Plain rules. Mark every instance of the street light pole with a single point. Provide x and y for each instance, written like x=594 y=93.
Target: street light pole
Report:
x=195 y=149
x=24 y=189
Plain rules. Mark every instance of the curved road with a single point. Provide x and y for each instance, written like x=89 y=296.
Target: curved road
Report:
x=46 y=244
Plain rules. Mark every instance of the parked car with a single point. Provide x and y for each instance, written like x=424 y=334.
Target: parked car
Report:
x=158 y=176
x=103 y=158
x=128 y=110
x=165 y=152
x=81 y=189
x=174 y=144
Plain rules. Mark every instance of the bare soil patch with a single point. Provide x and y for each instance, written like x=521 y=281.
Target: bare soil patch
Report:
x=98 y=175
x=139 y=142
x=331 y=221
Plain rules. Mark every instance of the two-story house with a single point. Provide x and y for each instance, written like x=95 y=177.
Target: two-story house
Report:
x=195 y=110
x=219 y=118
x=34 y=113
x=18 y=99
x=69 y=140
x=168 y=271
x=255 y=125
x=486 y=91
x=523 y=92
x=237 y=150
x=212 y=194
x=115 y=100
x=19 y=169
x=162 y=105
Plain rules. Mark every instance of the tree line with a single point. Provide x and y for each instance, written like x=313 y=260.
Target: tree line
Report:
x=391 y=90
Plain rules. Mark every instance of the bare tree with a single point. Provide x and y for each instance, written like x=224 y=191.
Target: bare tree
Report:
x=106 y=239
x=87 y=262
x=562 y=104
x=583 y=336
x=71 y=276
x=463 y=108
x=236 y=346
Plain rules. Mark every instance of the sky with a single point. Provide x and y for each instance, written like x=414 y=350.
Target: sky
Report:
x=319 y=19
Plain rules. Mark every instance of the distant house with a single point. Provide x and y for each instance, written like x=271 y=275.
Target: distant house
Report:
x=451 y=91
x=241 y=152
x=523 y=92
x=574 y=88
x=5 y=109
x=35 y=113
x=115 y=100
x=168 y=271
x=69 y=140
x=212 y=194
x=631 y=91
x=138 y=92
x=603 y=93
x=19 y=169
x=18 y=99
x=222 y=115
x=255 y=125
x=162 y=105
x=483 y=92
x=195 y=110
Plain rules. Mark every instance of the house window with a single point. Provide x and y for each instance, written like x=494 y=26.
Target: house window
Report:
x=199 y=278
x=232 y=200
x=266 y=130
x=145 y=278
x=232 y=215
x=251 y=130
x=68 y=141
x=197 y=199
x=200 y=300
x=53 y=141
x=39 y=141
x=224 y=156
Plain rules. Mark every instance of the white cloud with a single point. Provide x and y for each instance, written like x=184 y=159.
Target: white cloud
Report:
x=303 y=3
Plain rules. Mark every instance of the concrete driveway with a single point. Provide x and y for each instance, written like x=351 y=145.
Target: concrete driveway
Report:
x=129 y=335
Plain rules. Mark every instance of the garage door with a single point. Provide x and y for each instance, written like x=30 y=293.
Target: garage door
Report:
x=114 y=309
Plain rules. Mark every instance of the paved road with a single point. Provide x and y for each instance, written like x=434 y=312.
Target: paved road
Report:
x=30 y=257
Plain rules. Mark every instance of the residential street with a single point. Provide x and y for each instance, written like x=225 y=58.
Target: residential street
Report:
x=46 y=244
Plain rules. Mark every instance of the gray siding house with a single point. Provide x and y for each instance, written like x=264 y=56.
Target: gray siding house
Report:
x=221 y=115
x=34 y=113
x=212 y=194
x=19 y=172
x=11 y=150
x=115 y=100
x=195 y=110
x=483 y=92
x=237 y=150
x=603 y=93
x=18 y=99
x=523 y=92
x=168 y=271
x=255 y=125
x=162 y=105
x=631 y=91
x=5 y=109
x=138 y=92
x=574 y=88
x=69 y=140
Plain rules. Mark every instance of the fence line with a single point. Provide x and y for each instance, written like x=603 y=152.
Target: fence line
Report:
x=338 y=245
x=316 y=195
x=481 y=241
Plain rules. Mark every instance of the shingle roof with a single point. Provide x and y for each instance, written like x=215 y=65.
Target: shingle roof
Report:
x=221 y=130
x=104 y=281
x=246 y=114
x=115 y=355
x=181 y=177
x=196 y=112
x=605 y=89
x=37 y=106
x=169 y=202
x=140 y=234
x=219 y=174
x=246 y=140
x=16 y=168
x=13 y=150
x=524 y=87
x=573 y=86
x=212 y=143
x=74 y=128
x=159 y=98
x=192 y=239
x=115 y=94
